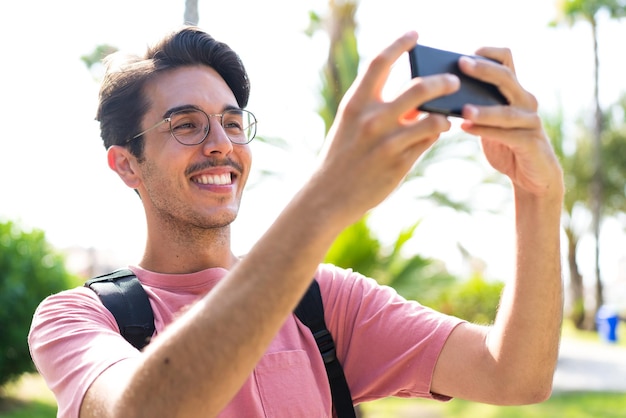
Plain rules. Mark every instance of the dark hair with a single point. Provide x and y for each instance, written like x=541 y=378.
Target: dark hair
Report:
x=122 y=101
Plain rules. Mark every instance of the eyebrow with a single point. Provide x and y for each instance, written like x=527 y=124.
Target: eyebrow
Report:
x=190 y=107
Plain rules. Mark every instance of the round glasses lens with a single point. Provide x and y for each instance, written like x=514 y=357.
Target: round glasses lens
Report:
x=239 y=125
x=189 y=127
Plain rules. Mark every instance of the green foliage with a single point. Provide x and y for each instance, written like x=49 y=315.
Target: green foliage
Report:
x=422 y=279
x=29 y=271
x=614 y=158
x=475 y=300
x=32 y=409
x=97 y=55
x=572 y=11
x=342 y=64
x=575 y=154
x=356 y=248
x=340 y=72
x=414 y=277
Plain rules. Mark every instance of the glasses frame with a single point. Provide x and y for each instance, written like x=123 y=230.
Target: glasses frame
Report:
x=206 y=133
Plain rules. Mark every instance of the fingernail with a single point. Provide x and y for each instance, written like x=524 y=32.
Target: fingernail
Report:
x=453 y=79
x=470 y=111
x=469 y=61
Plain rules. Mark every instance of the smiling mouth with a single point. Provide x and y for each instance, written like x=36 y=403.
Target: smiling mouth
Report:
x=217 y=179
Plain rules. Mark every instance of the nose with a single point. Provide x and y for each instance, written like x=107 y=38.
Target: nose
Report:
x=217 y=142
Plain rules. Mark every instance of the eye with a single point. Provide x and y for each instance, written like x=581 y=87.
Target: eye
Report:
x=183 y=124
x=187 y=123
x=233 y=121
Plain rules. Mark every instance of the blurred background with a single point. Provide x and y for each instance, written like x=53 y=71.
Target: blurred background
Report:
x=445 y=237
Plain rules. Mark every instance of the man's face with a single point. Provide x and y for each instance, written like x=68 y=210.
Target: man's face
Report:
x=199 y=185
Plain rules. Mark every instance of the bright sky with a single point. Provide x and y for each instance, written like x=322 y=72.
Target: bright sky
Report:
x=53 y=166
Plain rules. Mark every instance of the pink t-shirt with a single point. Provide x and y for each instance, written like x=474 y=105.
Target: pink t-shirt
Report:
x=388 y=346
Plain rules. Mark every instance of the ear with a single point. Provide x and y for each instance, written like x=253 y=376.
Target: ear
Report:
x=124 y=164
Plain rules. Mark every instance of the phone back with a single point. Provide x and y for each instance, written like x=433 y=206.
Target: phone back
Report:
x=429 y=61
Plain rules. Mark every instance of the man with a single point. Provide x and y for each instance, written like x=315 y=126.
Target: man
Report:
x=227 y=343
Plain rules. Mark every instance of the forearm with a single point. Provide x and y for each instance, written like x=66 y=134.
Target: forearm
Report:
x=525 y=337
x=203 y=359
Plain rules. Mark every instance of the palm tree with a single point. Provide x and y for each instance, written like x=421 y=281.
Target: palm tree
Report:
x=578 y=177
x=191 y=16
x=615 y=157
x=570 y=12
x=342 y=64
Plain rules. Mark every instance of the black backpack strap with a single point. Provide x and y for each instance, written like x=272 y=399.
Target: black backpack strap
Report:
x=122 y=293
x=310 y=311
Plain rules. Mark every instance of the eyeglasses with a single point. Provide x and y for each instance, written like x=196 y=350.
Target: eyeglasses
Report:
x=191 y=126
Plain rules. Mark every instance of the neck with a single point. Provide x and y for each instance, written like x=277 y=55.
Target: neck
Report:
x=187 y=251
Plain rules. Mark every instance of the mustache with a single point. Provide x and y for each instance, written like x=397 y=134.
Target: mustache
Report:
x=213 y=163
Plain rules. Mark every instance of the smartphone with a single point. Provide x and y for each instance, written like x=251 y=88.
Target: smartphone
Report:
x=429 y=61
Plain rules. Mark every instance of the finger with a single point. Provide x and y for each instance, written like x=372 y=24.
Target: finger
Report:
x=501 y=55
x=423 y=89
x=500 y=75
x=375 y=76
x=401 y=118
x=420 y=133
x=411 y=115
x=503 y=117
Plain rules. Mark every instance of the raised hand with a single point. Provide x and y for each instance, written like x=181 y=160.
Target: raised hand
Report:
x=513 y=138
x=374 y=143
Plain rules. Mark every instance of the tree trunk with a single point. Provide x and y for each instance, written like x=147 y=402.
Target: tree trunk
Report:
x=576 y=287
x=597 y=186
x=192 y=16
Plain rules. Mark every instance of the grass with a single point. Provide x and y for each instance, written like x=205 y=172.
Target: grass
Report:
x=570 y=405
x=29 y=397
x=591 y=336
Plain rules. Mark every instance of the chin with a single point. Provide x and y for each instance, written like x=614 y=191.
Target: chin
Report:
x=224 y=219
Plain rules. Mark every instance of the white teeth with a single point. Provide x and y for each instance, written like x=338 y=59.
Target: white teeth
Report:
x=219 y=179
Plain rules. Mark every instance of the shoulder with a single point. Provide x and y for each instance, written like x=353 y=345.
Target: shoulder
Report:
x=332 y=277
x=67 y=314
x=352 y=300
x=73 y=300
x=72 y=340
x=346 y=286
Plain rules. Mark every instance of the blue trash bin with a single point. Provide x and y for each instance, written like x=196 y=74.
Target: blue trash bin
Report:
x=607 y=320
